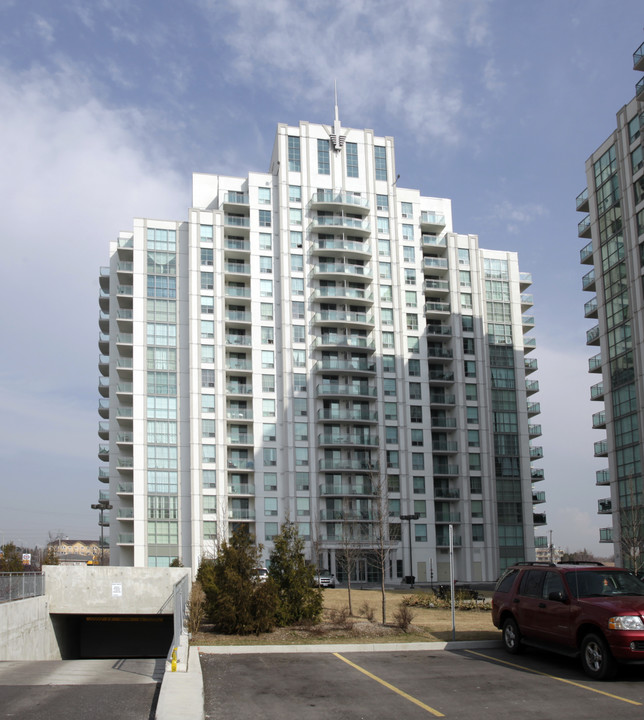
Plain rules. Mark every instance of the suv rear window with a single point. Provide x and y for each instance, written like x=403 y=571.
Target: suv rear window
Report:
x=532 y=583
x=505 y=583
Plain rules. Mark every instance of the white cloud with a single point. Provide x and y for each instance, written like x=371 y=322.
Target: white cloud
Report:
x=44 y=29
x=516 y=215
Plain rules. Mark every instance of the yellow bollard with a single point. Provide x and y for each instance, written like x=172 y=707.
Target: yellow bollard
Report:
x=174 y=660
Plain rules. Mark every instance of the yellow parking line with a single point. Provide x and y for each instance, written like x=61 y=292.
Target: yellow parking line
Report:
x=390 y=686
x=554 y=677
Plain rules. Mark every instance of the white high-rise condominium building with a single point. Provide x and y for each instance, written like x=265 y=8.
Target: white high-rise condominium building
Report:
x=315 y=343
x=614 y=224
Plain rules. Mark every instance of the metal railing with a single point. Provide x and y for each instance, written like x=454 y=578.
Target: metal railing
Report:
x=16 y=586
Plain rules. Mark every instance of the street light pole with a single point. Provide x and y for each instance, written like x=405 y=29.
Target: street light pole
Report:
x=102 y=506
x=409 y=518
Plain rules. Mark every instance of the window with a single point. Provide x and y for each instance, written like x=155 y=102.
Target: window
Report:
x=406 y=209
x=466 y=301
x=463 y=256
x=477 y=533
x=389 y=386
x=416 y=413
x=301 y=481
x=465 y=278
x=410 y=276
x=266 y=288
x=207 y=354
x=472 y=415
x=299 y=407
x=268 y=383
x=264 y=218
x=299 y=334
x=391 y=435
x=388 y=363
x=268 y=407
x=269 y=432
x=420 y=508
x=413 y=367
x=324 y=167
x=208 y=403
x=382 y=203
x=206 y=256
x=352 y=159
x=270 y=456
x=470 y=368
x=297 y=286
x=420 y=532
x=299 y=382
x=419 y=485
x=266 y=311
x=268 y=335
x=391 y=411
x=387 y=316
x=294 y=154
x=296 y=238
x=207 y=378
x=297 y=263
x=205 y=233
x=303 y=508
x=385 y=293
x=265 y=241
x=384 y=247
x=207 y=329
x=380 y=157
x=413 y=344
x=473 y=438
x=415 y=392
x=468 y=345
x=417 y=461
x=467 y=322
x=207 y=305
x=268 y=359
x=408 y=233
x=393 y=459
x=208 y=453
x=209 y=479
x=409 y=254
x=383 y=225
x=412 y=321
x=387 y=340
x=471 y=392
x=411 y=298
x=297 y=309
x=294 y=216
x=384 y=270
x=270 y=481
x=477 y=508
x=301 y=456
x=475 y=462
x=393 y=483
x=301 y=431
x=264 y=196
x=162 y=286
x=299 y=358
x=270 y=506
x=266 y=265
x=270 y=530
x=394 y=507
x=476 y=485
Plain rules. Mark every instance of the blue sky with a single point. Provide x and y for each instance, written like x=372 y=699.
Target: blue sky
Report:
x=106 y=108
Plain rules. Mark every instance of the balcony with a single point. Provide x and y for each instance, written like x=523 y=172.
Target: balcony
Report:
x=532 y=387
x=104 y=343
x=104 y=408
x=541 y=541
x=239 y=414
x=527 y=301
x=334 y=317
x=531 y=365
x=239 y=316
x=343 y=390
x=350 y=415
x=359 y=295
x=435 y=265
x=352 y=439
x=604 y=506
x=239 y=340
x=638 y=58
x=597 y=391
x=434 y=243
x=347 y=464
x=103 y=474
x=536 y=474
x=435 y=287
x=440 y=353
x=104 y=429
x=527 y=322
x=538 y=497
x=104 y=452
x=536 y=452
x=595 y=363
x=446 y=423
x=124 y=390
x=599 y=420
x=357 y=365
x=444 y=330
x=326 y=223
x=241 y=489
x=447 y=517
x=125 y=539
x=104 y=278
x=234 y=197
x=583 y=227
x=125 y=463
x=232 y=291
x=236 y=463
x=238 y=222
x=348 y=489
x=236 y=268
x=432 y=221
x=441 y=398
x=590 y=308
x=529 y=344
x=239 y=389
x=639 y=89
x=238 y=364
x=126 y=514
x=601 y=448
x=444 y=446
x=441 y=376
x=602 y=477
x=337 y=340
x=104 y=299
x=534 y=431
x=586 y=254
x=104 y=364
x=104 y=386
x=340 y=244
x=342 y=269
x=525 y=280
x=539 y=519
x=326 y=199
x=445 y=470
x=606 y=535
x=240 y=439
x=592 y=336
x=534 y=408
x=442 y=493
x=436 y=309
x=442 y=539
x=125 y=488
x=237 y=244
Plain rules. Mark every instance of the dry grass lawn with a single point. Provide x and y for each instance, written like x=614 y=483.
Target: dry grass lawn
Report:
x=428 y=624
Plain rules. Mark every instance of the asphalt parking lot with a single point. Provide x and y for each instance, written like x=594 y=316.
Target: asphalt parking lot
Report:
x=461 y=684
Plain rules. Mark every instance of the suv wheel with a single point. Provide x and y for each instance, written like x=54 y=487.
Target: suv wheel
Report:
x=511 y=636
x=596 y=659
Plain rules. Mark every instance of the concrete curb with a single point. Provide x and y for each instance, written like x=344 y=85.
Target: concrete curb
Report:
x=181 y=694
x=344 y=647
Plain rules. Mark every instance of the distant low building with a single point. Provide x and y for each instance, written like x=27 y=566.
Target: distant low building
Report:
x=76 y=551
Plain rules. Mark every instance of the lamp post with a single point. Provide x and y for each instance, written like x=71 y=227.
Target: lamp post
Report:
x=102 y=506
x=409 y=518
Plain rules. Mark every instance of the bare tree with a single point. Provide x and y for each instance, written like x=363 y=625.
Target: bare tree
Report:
x=631 y=537
x=351 y=549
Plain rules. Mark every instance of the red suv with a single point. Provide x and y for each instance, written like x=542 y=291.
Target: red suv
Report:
x=588 y=610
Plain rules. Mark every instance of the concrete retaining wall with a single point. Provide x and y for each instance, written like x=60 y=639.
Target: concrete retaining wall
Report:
x=26 y=631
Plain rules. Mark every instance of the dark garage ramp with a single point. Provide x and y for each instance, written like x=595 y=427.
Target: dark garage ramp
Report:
x=113 y=636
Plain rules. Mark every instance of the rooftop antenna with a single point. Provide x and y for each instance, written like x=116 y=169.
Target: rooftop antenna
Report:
x=336 y=136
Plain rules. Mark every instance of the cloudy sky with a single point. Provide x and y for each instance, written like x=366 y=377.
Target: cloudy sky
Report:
x=107 y=107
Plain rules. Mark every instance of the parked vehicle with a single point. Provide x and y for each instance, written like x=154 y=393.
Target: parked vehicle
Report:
x=590 y=611
x=325 y=580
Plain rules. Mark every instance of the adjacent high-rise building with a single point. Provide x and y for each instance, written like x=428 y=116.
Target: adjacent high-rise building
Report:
x=614 y=225
x=316 y=344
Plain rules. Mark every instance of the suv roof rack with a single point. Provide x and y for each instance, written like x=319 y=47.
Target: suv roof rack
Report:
x=581 y=562
x=543 y=563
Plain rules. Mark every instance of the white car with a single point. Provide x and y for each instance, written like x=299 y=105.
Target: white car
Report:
x=325 y=580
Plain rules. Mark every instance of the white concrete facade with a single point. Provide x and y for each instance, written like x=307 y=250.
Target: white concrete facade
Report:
x=318 y=344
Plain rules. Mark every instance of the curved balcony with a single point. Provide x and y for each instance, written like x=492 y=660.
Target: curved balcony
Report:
x=342 y=269
x=104 y=299
x=601 y=448
x=104 y=343
x=537 y=474
x=534 y=408
x=586 y=254
x=356 y=295
x=431 y=286
x=104 y=321
x=348 y=439
x=342 y=245
x=103 y=474
x=104 y=408
x=104 y=452
x=104 y=386
x=592 y=336
x=432 y=221
x=604 y=506
x=599 y=420
x=590 y=308
x=435 y=265
x=104 y=429
x=334 y=317
x=583 y=227
x=602 y=477
x=588 y=281
x=336 y=389
x=597 y=391
x=595 y=363
x=351 y=415
x=337 y=340
x=340 y=223
x=357 y=365
x=531 y=365
x=104 y=364
x=329 y=200
x=582 y=201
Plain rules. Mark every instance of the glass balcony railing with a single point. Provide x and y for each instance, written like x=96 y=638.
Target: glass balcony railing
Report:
x=595 y=363
x=588 y=280
x=583 y=227
x=638 y=58
x=346 y=198
x=604 y=506
x=602 y=477
x=606 y=535
x=582 y=201
x=432 y=218
x=237 y=221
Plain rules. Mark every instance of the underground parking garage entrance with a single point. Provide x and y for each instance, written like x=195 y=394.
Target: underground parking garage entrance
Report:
x=84 y=637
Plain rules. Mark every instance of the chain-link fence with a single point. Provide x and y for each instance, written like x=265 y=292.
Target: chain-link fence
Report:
x=15 y=586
